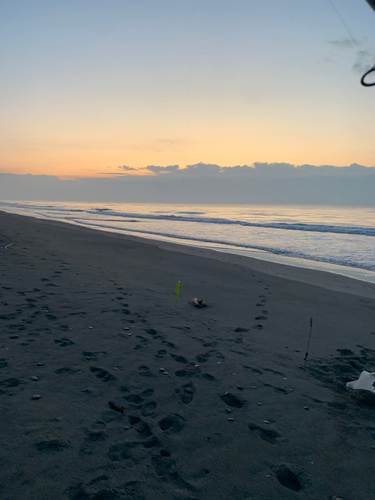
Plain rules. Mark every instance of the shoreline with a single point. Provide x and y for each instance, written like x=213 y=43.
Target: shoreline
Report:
x=111 y=388
x=268 y=263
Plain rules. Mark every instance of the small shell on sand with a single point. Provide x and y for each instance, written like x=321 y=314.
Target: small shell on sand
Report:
x=35 y=379
x=36 y=396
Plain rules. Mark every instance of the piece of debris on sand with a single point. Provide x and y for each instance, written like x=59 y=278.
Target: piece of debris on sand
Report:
x=198 y=303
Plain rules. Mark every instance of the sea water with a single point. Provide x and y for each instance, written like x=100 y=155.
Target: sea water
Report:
x=335 y=239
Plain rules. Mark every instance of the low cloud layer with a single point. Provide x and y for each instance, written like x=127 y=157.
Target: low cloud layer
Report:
x=206 y=183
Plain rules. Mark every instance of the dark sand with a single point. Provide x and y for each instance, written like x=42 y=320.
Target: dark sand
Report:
x=210 y=403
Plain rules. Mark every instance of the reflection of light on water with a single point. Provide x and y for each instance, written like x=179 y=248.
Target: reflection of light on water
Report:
x=304 y=236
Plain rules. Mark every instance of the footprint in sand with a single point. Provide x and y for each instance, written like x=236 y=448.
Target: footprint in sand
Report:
x=3 y=363
x=174 y=423
x=9 y=383
x=162 y=464
x=210 y=344
x=145 y=371
x=288 y=478
x=8 y=317
x=63 y=342
x=169 y=344
x=148 y=409
x=185 y=373
x=179 y=359
x=142 y=340
x=202 y=358
x=232 y=400
x=151 y=443
x=96 y=435
x=89 y=356
x=121 y=451
x=102 y=374
x=65 y=370
x=275 y=372
x=268 y=435
x=186 y=393
x=142 y=427
x=277 y=389
x=51 y=317
x=135 y=399
x=147 y=393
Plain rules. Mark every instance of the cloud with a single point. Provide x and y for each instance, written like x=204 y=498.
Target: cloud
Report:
x=274 y=183
x=124 y=167
x=258 y=169
x=344 y=43
x=162 y=170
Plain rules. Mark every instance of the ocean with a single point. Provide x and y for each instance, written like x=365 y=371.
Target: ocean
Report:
x=330 y=238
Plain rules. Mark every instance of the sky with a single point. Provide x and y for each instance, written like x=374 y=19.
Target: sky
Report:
x=94 y=88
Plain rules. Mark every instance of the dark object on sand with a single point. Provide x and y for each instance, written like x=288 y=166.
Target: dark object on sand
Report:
x=116 y=407
x=198 y=303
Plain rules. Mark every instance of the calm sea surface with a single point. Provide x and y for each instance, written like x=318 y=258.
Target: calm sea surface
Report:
x=337 y=239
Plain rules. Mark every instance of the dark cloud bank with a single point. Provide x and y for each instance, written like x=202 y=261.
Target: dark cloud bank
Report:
x=202 y=183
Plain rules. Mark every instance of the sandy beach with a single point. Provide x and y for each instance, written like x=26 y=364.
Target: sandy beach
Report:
x=112 y=389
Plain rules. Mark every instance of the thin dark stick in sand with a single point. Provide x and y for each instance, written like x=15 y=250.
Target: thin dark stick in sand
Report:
x=308 y=342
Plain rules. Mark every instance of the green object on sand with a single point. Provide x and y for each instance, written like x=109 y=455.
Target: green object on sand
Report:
x=177 y=289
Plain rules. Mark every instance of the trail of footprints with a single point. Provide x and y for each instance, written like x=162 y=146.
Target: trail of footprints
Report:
x=140 y=413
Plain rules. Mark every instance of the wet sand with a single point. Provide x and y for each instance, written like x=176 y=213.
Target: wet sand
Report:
x=112 y=389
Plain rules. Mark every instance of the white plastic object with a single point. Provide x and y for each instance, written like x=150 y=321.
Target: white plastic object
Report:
x=366 y=381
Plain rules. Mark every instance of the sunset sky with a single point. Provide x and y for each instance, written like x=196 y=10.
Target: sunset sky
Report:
x=91 y=85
